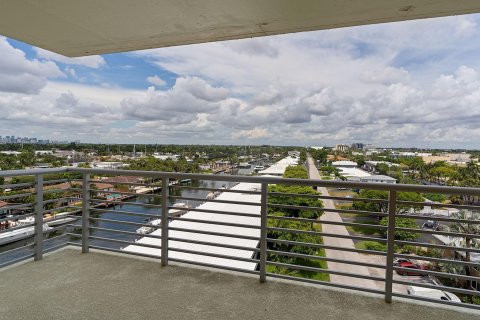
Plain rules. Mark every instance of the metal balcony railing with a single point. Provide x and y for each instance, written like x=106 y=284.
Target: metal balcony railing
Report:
x=245 y=231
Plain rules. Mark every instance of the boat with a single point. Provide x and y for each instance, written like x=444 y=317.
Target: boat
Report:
x=258 y=168
x=178 y=210
x=186 y=181
x=244 y=165
x=20 y=234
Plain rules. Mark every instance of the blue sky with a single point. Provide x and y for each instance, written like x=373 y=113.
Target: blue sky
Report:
x=412 y=83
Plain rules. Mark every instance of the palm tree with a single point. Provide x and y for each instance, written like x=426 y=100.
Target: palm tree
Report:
x=467 y=228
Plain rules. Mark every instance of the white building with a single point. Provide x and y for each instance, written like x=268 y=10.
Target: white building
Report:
x=378 y=179
x=344 y=164
x=278 y=168
x=108 y=165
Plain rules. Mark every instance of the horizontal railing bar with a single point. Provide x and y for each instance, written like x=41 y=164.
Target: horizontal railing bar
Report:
x=16 y=185
x=47 y=191
x=61 y=218
x=10 y=262
x=74 y=235
x=30 y=245
x=320 y=196
x=249 y=226
x=17 y=228
x=437 y=246
x=275 y=180
x=31 y=172
x=311 y=257
x=62 y=208
x=15 y=196
x=126 y=213
x=438 y=287
x=323 y=234
x=319 y=270
x=101 y=248
x=18 y=206
x=56 y=200
x=351 y=224
x=125 y=242
x=439 y=205
x=211 y=265
x=323 y=283
x=215 y=255
x=441 y=260
x=213 y=233
x=133 y=194
x=245 y=203
x=214 y=244
x=18 y=217
x=438 y=218
x=323 y=246
x=252 y=215
x=126 y=232
x=48 y=182
x=125 y=222
x=440 y=301
x=292 y=207
x=55 y=238
x=444 y=233
x=135 y=184
x=124 y=203
x=437 y=273
x=50 y=249
x=216 y=189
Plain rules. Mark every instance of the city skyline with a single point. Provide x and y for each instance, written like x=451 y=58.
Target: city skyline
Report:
x=405 y=84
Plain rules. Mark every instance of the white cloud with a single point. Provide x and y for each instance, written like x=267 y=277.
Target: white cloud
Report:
x=94 y=62
x=156 y=81
x=22 y=75
x=391 y=84
x=255 y=133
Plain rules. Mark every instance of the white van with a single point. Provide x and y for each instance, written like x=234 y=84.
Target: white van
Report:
x=432 y=293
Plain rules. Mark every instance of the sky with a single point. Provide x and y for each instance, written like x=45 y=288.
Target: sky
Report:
x=403 y=84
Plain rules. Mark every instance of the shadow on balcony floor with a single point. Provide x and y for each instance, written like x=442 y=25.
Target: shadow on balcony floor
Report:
x=71 y=285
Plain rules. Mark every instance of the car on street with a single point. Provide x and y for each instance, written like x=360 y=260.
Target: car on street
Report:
x=411 y=266
x=430 y=225
x=432 y=293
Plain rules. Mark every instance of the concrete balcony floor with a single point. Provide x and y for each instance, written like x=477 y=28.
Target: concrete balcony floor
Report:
x=69 y=285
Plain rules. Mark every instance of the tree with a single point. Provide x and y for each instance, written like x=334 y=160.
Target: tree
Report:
x=467 y=228
x=401 y=223
x=383 y=206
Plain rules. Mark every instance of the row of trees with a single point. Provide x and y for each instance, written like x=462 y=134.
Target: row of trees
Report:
x=298 y=172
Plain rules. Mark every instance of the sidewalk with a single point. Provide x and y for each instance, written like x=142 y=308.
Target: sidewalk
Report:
x=340 y=242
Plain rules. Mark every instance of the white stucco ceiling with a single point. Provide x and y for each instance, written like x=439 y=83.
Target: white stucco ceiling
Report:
x=85 y=27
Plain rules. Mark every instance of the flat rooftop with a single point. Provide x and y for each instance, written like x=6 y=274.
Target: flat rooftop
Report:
x=67 y=284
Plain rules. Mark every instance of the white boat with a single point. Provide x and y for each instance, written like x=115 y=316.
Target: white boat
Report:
x=20 y=234
x=258 y=168
x=179 y=210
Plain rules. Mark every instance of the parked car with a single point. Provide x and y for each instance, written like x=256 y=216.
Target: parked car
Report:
x=432 y=293
x=430 y=225
x=409 y=265
x=397 y=261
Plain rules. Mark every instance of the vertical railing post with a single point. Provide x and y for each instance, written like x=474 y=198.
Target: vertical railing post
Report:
x=263 y=233
x=38 y=217
x=392 y=208
x=86 y=213
x=165 y=182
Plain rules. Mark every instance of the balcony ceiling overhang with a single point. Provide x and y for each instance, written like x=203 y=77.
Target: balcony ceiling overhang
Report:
x=86 y=27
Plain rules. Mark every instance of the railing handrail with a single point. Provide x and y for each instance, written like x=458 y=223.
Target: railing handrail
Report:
x=256 y=179
x=88 y=202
